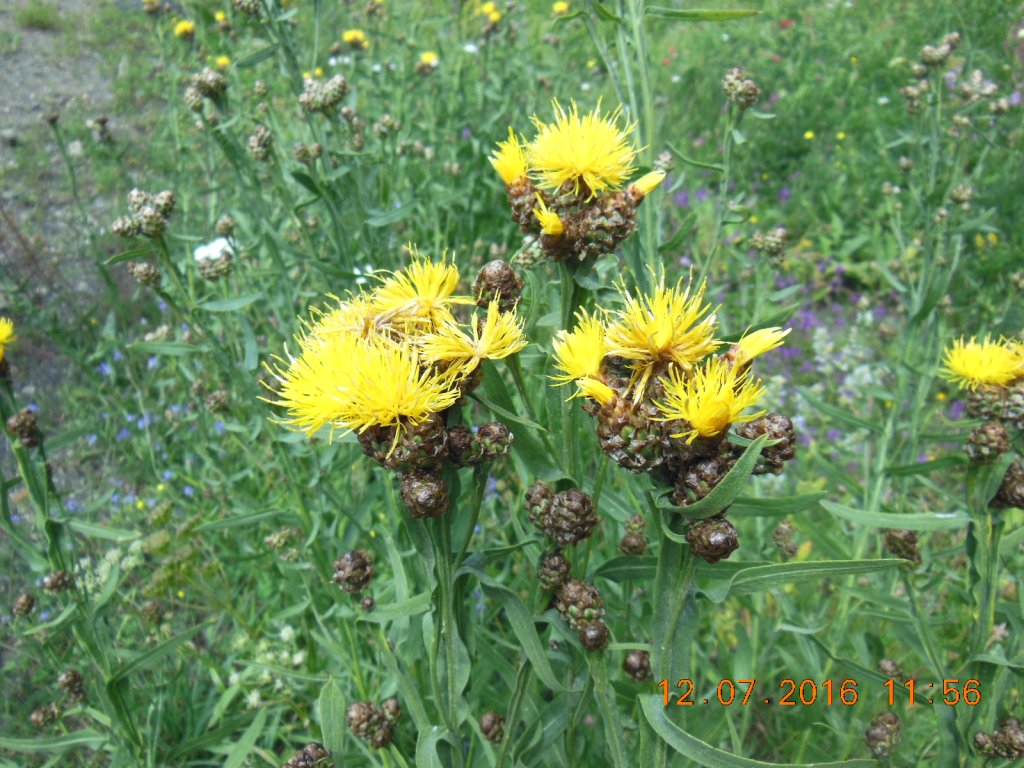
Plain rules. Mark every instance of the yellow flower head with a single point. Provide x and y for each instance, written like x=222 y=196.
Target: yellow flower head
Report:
x=420 y=295
x=710 y=399
x=595 y=389
x=429 y=59
x=669 y=327
x=974 y=363
x=560 y=8
x=222 y=62
x=7 y=335
x=550 y=223
x=509 y=160
x=588 y=150
x=350 y=383
x=579 y=352
x=496 y=337
x=486 y=9
x=220 y=16
x=356 y=317
x=648 y=183
x=185 y=30
x=757 y=343
x=355 y=38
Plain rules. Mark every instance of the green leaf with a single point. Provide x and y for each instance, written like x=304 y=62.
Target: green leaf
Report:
x=132 y=254
x=836 y=414
x=242 y=748
x=230 y=305
x=505 y=413
x=169 y=348
x=255 y=58
x=333 y=722
x=412 y=607
x=99 y=531
x=927 y=467
x=764 y=577
x=920 y=521
x=699 y=14
x=151 y=657
x=722 y=495
x=711 y=757
x=382 y=218
x=986 y=479
x=749 y=506
x=87 y=738
x=66 y=615
x=627 y=568
x=606 y=14
x=697 y=163
x=676 y=241
x=426 y=748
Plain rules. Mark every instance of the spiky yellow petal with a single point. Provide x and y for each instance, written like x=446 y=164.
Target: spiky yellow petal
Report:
x=757 y=343
x=974 y=363
x=499 y=335
x=420 y=295
x=7 y=335
x=588 y=149
x=579 y=352
x=356 y=316
x=509 y=159
x=710 y=399
x=648 y=182
x=550 y=223
x=595 y=389
x=668 y=327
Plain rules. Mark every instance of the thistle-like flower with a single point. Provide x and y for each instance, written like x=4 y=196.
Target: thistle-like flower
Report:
x=7 y=335
x=509 y=159
x=975 y=363
x=499 y=335
x=711 y=399
x=421 y=294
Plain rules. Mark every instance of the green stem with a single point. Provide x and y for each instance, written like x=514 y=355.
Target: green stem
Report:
x=522 y=683
x=605 y=696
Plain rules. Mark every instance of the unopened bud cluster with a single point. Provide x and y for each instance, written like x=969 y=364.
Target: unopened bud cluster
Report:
x=313 y=755
x=770 y=244
x=148 y=214
x=322 y=95
x=883 y=734
x=374 y=724
x=24 y=426
x=208 y=84
x=740 y=89
x=492 y=726
x=353 y=571
x=260 y=143
x=1007 y=742
x=583 y=610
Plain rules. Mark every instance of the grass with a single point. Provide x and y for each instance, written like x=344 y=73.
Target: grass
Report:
x=36 y=15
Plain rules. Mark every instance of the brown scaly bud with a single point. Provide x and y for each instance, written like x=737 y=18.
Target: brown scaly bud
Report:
x=260 y=143
x=152 y=612
x=1013 y=404
x=218 y=401
x=637 y=665
x=367 y=604
x=492 y=726
x=151 y=223
x=903 y=544
x=25 y=427
x=248 y=7
x=778 y=428
x=424 y=494
x=392 y=710
x=553 y=570
x=1011 y=491
x=986 y=402
x=629 y=436
x=125 y=226
x=72 y=683
x=419 y=446
x=633 y=542
x=739 y=89
x=353 y=571
x=225 y=226
x=58 y=581
x=538 y=499
x=594 y=636
x=891 y=669
x=782 y=538
x=1009 y=739
x=579 y=603
x=497 y=280
x=699 y=479
x=164 y=203
x=463 y=448
x=370 y=723
x=45 y=716
x=24 y=604
x=569 y=519
x=313 y=755
x=193 y=98
x=883 y=734
x=495 y=439
x=137 y=199
x=522 y=199
x=713 y=539
x=210 y=83
x=987 y=443
x=604 y=225
x=216 y=267
x=145 y=273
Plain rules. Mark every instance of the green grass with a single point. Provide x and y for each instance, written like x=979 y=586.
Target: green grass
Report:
x=39 y=16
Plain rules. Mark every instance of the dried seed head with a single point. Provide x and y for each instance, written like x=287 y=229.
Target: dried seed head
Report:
x=210 y=83
x=25 y=427
x=553 y=570
x=145 y=273
x=903 y=544
x=151 y=223
x=164 y=203
x=225 y=226
x=313 y=755
x=637 y=665
x=24 y=604
x=46 y=715
x=260 y=143
x=125 y=226
x=498 y=280
x=137 y=199
x=424 y=494
x=883 y=734
x=492 y=725
x=987 y=443
x=72 y=683
x=353 y=571
x=713 y=539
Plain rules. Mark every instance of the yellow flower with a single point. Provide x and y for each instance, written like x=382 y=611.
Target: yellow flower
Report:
x=550 y=223
x=494 y=17
x=711 y=399
x=497 y=337
x=350 y=383
x=185 y=30
x=993 y=238
x=648 y=182
x=222 y=62
x=419 y=295
x=219 y=16
x=7 y=335
x=357 y=316
x=757 y=343
x=560 y=8
x=355 y=38
x=669 y=327
x=841 y=135
x=809 y=135
x=588 y=150
x=509 y=160
x=595 y=389
x=429 y=59
x=487 y=9
x=579 y=352
x=974 y=363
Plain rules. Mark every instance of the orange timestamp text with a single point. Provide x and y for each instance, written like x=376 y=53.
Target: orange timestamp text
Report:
x=828 y=692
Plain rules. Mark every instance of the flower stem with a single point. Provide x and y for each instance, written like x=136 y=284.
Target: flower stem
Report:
x=605 y=696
